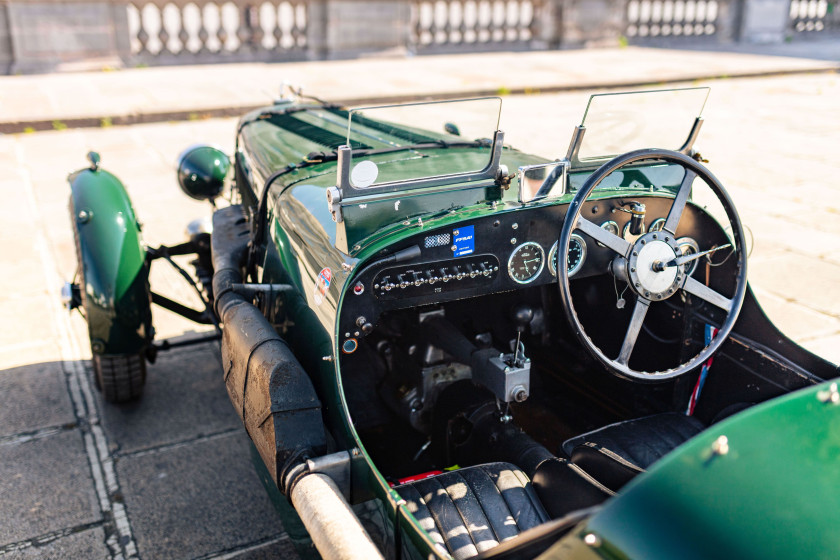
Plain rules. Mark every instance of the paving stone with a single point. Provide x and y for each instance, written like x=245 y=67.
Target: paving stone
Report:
x=827 y=347
x=23 y=278
x=194 y=88
x=795 y=320
x=27 y=352
x=45 y=485
x=34 y=396
x=28 y=318
x=184 y=398
x=194 y=499
x=89 y=544
x=777 y=235
x=812 y=283
x=281 y=549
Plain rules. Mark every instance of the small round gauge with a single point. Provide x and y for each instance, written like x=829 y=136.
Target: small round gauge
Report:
x=611 y=227
x=625 y=233
x=577 y=254
x=657 y=225
x=526 y=262
x=687 y=246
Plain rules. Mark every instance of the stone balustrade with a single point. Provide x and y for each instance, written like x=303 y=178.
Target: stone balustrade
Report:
x=458 y=25
x=674 y=19
x=814 y=16
x=181 y=31
x=47 y=35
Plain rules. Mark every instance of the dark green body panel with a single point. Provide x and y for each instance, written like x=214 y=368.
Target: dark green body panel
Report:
x=774 y=494
x=114 y=274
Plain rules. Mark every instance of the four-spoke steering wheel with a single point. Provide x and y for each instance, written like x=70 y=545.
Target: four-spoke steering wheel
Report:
x=652 y=265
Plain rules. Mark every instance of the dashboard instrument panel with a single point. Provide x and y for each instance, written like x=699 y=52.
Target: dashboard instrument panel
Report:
x=499 y=252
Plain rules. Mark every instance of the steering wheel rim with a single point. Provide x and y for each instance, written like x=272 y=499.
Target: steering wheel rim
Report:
x=625 y=251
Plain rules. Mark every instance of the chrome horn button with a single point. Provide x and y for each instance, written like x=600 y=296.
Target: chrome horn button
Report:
x=646 y=267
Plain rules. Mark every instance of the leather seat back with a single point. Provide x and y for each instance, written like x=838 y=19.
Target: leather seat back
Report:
x=616 y=453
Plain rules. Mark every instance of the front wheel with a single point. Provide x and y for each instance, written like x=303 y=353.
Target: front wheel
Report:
x=120 y=377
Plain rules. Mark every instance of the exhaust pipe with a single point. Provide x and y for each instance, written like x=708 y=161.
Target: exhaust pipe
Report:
x=334 y=528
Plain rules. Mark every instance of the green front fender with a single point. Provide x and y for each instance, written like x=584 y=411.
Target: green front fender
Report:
x=114 y=274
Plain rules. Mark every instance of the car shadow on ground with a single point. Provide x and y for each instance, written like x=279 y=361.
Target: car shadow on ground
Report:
x=168 y=475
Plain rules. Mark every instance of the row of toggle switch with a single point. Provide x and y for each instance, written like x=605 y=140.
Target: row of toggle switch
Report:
x=430 y=277
x=432 y=273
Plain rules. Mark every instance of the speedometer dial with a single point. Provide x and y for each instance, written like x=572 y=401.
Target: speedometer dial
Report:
x=526 y=262
x=577 y=254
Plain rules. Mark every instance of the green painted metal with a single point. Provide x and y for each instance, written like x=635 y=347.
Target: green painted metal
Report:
x=203 y=172
x=772 y=494
x=114 y=274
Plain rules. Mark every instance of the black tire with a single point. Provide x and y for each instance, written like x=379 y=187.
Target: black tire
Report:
x=120 y=377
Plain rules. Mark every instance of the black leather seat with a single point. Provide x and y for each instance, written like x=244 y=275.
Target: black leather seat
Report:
x=616 y=453
x=472 y=510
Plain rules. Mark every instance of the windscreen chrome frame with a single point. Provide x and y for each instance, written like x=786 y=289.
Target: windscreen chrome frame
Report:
x=490 y=171
x=592 y=163
x=454 y=180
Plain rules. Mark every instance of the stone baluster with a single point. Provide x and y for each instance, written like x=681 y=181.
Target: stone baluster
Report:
x=245 y=31
x=221 y=33
x=163 y=33
x=142 y=34
x=463 y=28
x=203 y=33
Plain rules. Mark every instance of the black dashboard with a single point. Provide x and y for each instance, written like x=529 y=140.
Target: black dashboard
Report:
x=506 y=251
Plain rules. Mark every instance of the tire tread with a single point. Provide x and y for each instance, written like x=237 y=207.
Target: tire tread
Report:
x=120 y=377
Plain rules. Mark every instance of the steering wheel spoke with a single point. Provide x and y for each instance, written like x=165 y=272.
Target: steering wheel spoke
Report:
x=639 y=312
x=675 y=213
x=612 y=241
x=705 y=293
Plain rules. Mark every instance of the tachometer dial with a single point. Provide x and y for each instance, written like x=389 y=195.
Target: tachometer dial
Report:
x=611 y=227
x=526 y=262
x=577 y=254
x=657 y=225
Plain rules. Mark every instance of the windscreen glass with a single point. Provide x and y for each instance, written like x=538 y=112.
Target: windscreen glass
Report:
x=617 y=123
x=397 y=143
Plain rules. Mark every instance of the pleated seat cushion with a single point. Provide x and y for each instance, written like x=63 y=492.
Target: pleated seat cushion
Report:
x=473 y=509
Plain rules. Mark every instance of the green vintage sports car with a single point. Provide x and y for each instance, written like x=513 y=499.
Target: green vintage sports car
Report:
x=442 y=347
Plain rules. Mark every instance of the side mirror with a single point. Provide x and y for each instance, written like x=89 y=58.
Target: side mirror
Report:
x=542 y=180
x=203 y=171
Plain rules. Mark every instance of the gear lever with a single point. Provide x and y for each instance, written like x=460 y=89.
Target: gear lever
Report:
x=522 y=315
